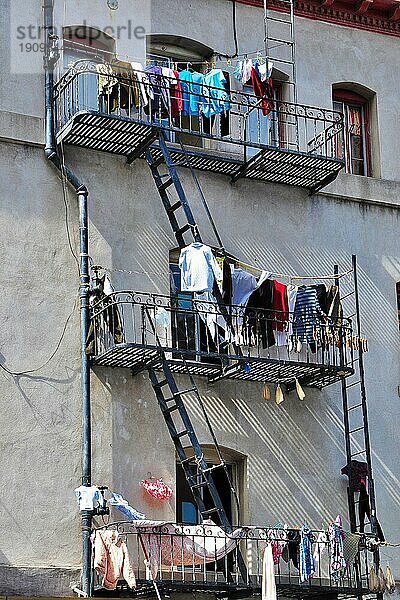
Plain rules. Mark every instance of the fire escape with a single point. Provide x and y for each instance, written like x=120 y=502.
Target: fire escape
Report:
x=303 y=148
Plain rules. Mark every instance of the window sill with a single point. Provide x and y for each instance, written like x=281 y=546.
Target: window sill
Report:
x=369 y=190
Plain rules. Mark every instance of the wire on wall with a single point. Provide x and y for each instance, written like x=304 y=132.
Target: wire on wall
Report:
x=52 y=355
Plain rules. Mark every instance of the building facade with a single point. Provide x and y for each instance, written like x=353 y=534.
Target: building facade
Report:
x=296 y=218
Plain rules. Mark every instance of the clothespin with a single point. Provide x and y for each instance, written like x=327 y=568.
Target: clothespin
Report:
x=228 y=62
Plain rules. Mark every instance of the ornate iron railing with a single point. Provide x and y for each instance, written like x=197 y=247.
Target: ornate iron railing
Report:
x=88 y=87
x=207 y=557
x=198 y=330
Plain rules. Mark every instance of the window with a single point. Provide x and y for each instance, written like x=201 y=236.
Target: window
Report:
x=186 y=509
x=355 y=148
x=84 y=43
x=181 y=53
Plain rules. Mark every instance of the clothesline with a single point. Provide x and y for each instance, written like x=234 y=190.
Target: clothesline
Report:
x=218 y=56
x=238 y=263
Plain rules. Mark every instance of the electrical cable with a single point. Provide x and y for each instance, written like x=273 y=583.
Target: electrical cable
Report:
x=203 y=198
x=27 y=371
x=65 y=199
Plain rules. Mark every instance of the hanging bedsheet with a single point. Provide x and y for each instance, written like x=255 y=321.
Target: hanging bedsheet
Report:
x=169 y=545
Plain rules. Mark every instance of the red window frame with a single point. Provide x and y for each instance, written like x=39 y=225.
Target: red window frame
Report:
x=349 y=98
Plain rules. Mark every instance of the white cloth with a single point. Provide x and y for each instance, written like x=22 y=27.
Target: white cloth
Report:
x=146 y=91
x=243 y=284
x=198 y=268
x=107 y=286
x=86 y=496
x=162 y=319
x=292 y=295
x=169 y=73
x=190 y=545
x=246 y=70
x=268 y=586
x=321 y=555
x=209 y=312
x=264 y=72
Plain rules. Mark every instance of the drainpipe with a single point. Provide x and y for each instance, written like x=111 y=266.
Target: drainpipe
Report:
x=50 y=57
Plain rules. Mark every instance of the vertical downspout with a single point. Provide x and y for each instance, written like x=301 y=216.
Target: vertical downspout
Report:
x=85 y=379
x=50 y=58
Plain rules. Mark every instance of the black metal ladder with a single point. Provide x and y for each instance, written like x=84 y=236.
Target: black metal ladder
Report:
x=170 y=398
x=355 y=411
x=163 y=182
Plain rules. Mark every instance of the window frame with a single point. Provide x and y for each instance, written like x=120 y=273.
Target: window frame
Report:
x=237 y=465
x=349 y=99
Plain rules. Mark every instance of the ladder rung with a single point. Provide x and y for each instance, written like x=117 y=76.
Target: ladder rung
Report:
x=158 y=161
x=160 y=384
x=210 y=511
x=170 y=409
x=165 y=184
x=353 y=384
x=356 y=429
x=188 y=460
x=210 y=469
x=184 y=229
x=355 y=406
x=180 y=434
x=357 y=453
x=197 y=486
x=183 y=392
x=174 y=206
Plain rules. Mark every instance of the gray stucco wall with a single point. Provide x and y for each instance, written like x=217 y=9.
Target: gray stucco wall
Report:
x=294 y=451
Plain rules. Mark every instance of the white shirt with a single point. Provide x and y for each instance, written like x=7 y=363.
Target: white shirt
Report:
x=243 y=285
x=198 y=268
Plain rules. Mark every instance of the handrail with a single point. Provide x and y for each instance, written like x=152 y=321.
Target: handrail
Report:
x=131 y=95
x=82 y=66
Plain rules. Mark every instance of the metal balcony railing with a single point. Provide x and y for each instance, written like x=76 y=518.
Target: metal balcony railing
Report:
x=130 y=328
x=206 y=557
x=116 y=111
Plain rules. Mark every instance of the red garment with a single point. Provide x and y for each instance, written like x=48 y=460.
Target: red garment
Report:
x=176 y=97
x=263 y=90
x=280 y=307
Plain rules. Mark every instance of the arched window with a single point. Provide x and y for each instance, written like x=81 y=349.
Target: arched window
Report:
x=83 y=42
x=357 y=137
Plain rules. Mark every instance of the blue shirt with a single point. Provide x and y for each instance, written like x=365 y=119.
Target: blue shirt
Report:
x=216 y=98
x=192 y=86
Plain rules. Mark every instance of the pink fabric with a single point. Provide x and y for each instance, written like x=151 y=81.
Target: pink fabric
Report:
x=111 y=559
x=179 y=546
x=176 y=97
x=158 y=489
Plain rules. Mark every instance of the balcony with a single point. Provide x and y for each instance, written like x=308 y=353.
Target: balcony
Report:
x=131 y=329
x=294 y=144
x=192 y=558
